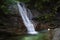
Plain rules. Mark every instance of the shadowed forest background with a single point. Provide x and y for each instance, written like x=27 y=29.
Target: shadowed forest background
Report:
x=46 y=14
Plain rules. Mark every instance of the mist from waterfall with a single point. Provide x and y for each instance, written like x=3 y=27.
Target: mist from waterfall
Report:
x=23 y=12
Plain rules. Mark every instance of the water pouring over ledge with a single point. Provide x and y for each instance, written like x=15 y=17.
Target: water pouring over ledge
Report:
x=23 y=12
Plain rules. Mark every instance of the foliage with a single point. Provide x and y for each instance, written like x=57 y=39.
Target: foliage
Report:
x=23 y=0
x=48 y=8
x=5 y=4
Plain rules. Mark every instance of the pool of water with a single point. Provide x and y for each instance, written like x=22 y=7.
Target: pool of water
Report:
x=40 y=36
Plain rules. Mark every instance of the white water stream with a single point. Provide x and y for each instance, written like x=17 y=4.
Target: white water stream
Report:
x=23 y=12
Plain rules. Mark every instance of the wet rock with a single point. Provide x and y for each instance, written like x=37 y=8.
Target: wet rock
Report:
x=56 y=34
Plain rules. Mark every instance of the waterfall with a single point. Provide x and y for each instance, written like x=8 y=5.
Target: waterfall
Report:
x=29 y=14
x=23 y=12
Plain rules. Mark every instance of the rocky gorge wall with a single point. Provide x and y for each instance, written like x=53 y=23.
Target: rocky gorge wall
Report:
x=12 y=22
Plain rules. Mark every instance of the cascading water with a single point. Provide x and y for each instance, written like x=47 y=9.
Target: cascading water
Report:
x=23 y=12
x=29 y=14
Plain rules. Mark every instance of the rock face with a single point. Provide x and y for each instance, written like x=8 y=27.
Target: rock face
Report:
x=56 y=35
x=35 y=13
x=13 y=21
